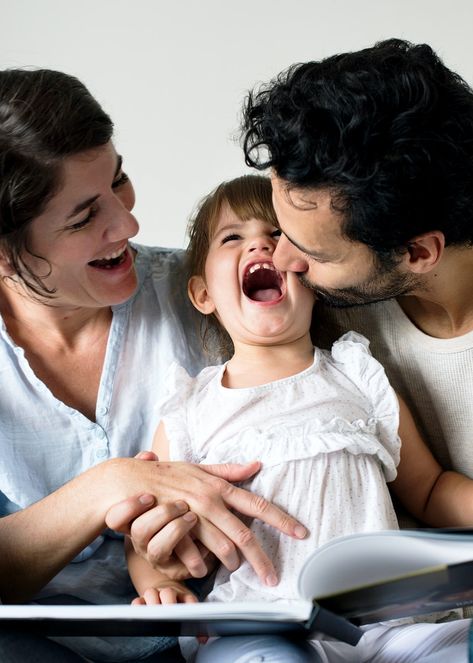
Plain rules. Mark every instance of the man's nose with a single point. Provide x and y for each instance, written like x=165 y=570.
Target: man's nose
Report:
x=288 y=258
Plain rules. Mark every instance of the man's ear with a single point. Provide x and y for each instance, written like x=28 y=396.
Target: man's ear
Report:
x=425 y=251
x=199 y=295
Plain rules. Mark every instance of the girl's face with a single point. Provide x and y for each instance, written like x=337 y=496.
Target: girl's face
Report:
x=83 y=233
x=255 y=302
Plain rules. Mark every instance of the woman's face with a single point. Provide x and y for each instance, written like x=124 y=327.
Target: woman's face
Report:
x=83 y=233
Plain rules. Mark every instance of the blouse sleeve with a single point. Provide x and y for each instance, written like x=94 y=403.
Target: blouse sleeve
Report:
x=352 y=349
x=174 y=413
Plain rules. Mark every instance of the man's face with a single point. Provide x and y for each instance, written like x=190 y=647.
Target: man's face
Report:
x=340 y=271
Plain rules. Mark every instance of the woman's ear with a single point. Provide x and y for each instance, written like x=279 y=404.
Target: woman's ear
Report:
x=5 y=266
x=199 y=295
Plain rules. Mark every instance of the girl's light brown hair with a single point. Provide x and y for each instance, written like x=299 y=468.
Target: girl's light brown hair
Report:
x=249 y=197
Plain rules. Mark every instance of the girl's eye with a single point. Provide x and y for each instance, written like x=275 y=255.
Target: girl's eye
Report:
x=120 y=181
x=230 y=238
x=276 y=233
x=86 y=221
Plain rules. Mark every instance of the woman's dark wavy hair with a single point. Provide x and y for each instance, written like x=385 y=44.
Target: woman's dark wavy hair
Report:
x=388 y=130
x=45 y=116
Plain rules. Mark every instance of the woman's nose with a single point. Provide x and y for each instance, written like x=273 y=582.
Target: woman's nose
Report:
x=288 y=258
x=122 y=224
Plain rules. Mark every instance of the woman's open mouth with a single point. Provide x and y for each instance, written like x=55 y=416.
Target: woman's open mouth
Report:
x=262 y=282
x=111 y=260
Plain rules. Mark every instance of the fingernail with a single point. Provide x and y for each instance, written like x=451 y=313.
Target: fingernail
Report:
x=271 y=580
x=300 y=531
x=146 y=500
x=199 y=571
x=189 y=516
x=181 y=506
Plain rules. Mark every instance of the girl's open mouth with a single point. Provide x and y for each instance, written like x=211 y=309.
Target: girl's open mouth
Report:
x=262 y=282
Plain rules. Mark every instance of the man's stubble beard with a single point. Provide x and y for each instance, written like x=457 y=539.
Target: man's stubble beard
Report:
x=382 y=284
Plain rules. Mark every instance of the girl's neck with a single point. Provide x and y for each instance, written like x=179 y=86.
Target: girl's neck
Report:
x=254 y=365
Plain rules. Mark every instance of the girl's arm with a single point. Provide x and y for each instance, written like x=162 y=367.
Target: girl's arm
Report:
x=435 y=496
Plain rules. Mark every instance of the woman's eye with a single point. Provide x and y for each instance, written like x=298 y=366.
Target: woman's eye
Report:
x=120 y=181
x=85 y=221
x=230 y=238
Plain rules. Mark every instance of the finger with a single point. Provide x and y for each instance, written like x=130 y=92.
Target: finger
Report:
x=233 y=471
x=218 y=543
x=189 y=598
x=120 y=515
x=160 y=521
x=256 y=506
x=238 y=537
x=152 y=596
x=189 y=554
x=138 y=601
x=146 y=455
x=168 y=595
x=161 y=546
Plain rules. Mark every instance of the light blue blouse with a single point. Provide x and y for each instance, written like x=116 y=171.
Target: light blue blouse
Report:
x=44 y=443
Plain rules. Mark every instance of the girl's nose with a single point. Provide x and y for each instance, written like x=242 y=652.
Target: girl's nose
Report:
x=288 y=258
x=262 y=244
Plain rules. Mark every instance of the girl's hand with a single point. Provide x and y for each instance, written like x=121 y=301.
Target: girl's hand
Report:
x=165 y=593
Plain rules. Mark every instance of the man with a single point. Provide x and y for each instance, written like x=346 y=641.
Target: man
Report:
x=371 y=155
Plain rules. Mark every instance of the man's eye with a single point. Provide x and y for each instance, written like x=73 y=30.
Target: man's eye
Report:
x=120 y=181
x=230 y=238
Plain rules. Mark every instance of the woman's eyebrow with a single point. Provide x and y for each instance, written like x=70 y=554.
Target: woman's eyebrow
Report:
x=83 y=205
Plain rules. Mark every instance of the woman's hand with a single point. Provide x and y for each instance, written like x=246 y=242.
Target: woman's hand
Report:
x=157 y=531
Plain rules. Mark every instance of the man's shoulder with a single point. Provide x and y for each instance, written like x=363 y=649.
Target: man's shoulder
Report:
x=329 y=323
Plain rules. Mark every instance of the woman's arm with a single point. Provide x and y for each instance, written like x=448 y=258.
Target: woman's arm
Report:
x=434 y=496
x=37 y=542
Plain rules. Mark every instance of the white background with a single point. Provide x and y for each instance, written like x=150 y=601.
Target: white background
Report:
x=172 y=74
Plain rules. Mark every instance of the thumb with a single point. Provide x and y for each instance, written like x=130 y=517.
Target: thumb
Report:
x=233 y=471
x=146 y=455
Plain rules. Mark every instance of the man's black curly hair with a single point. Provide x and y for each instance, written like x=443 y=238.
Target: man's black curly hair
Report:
x=388 y=130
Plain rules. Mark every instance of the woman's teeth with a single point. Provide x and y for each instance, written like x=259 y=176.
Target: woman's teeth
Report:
x=110 y=260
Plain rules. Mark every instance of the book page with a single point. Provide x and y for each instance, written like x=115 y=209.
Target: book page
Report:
x=360 y=559
x=297 y=611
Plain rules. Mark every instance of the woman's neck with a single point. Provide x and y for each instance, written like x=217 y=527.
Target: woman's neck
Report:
x=28 y=320
x=254 y=365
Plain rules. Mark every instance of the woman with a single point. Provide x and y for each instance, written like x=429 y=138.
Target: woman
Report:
x=89 y=325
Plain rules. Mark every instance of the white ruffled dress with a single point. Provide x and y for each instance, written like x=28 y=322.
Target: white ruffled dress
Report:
x=328 y=441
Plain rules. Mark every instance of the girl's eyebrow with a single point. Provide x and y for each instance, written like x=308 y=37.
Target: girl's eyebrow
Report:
x=230 y=226
x=90 y=201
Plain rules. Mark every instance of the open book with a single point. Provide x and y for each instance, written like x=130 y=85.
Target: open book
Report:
x=350 y=581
